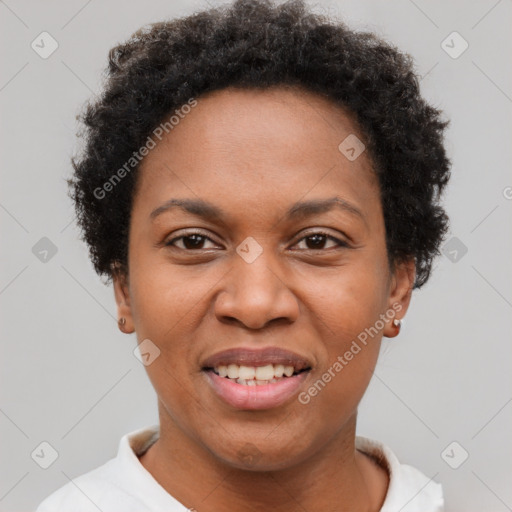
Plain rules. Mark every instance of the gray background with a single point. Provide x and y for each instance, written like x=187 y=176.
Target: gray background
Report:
x=70 y=378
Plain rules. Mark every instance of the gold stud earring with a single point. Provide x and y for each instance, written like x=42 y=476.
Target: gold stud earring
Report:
x=121 y=321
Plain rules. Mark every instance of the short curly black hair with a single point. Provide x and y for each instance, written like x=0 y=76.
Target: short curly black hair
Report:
x=258 y=44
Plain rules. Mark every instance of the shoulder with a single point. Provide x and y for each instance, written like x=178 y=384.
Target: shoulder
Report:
x=90 y=492
x=409 y=489
x=120 y=484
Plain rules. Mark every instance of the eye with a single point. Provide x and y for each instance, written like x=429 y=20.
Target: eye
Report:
x=196 y=240
x=318 y=240
x=190 y=241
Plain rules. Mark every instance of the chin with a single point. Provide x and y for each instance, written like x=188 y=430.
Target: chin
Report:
x=263 y=454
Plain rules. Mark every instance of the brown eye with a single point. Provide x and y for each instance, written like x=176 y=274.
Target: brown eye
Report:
x=190 y=242
x=317 y=241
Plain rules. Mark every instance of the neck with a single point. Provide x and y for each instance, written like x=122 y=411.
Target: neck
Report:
x=336 y=478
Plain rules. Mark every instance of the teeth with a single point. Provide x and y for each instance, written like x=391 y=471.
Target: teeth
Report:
x=233 y=371
x=288 y=371
x=265 y=372
x=278 y=370
x=247 y=372
x=254 y=375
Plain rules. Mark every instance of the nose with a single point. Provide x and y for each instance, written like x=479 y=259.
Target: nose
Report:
x=255 y=294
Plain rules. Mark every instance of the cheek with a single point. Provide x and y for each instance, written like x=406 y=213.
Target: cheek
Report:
x=163 y=306
x=349 y=352
x=157 y=308
x=164 y=298
x=346 y=300
x=170 y=306
x=347 y=308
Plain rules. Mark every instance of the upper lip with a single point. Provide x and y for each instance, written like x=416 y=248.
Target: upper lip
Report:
x=257 y=357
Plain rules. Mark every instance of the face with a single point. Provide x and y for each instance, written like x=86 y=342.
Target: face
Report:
x=256 y=247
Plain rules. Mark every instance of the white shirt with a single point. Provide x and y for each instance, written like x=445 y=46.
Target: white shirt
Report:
x=123 y=484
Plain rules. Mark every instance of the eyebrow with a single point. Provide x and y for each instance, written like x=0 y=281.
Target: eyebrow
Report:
x=298 y=210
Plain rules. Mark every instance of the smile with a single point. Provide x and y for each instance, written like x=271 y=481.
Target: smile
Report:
x=256 y=379
x=256 y=375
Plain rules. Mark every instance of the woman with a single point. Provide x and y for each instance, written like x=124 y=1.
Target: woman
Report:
x=262 y=186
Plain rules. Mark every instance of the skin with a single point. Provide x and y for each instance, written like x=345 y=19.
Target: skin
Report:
x=253 y=154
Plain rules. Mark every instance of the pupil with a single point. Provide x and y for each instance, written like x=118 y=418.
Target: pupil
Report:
x=194 y=245
x=320 y=239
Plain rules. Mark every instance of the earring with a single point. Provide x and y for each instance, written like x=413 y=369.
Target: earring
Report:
x=397 y=323
x=121 y=321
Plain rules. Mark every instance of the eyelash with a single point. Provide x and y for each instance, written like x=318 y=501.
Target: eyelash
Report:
x=339 y=242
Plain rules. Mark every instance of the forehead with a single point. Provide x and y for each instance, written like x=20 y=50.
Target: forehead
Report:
x=244 y=146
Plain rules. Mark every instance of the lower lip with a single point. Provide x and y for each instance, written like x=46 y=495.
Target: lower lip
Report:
x=266 y=396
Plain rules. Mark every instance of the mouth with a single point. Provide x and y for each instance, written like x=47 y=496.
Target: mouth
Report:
x=256 y=379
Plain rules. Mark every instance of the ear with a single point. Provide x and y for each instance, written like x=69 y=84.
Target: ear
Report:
x=122 y=295
x=400 y=292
